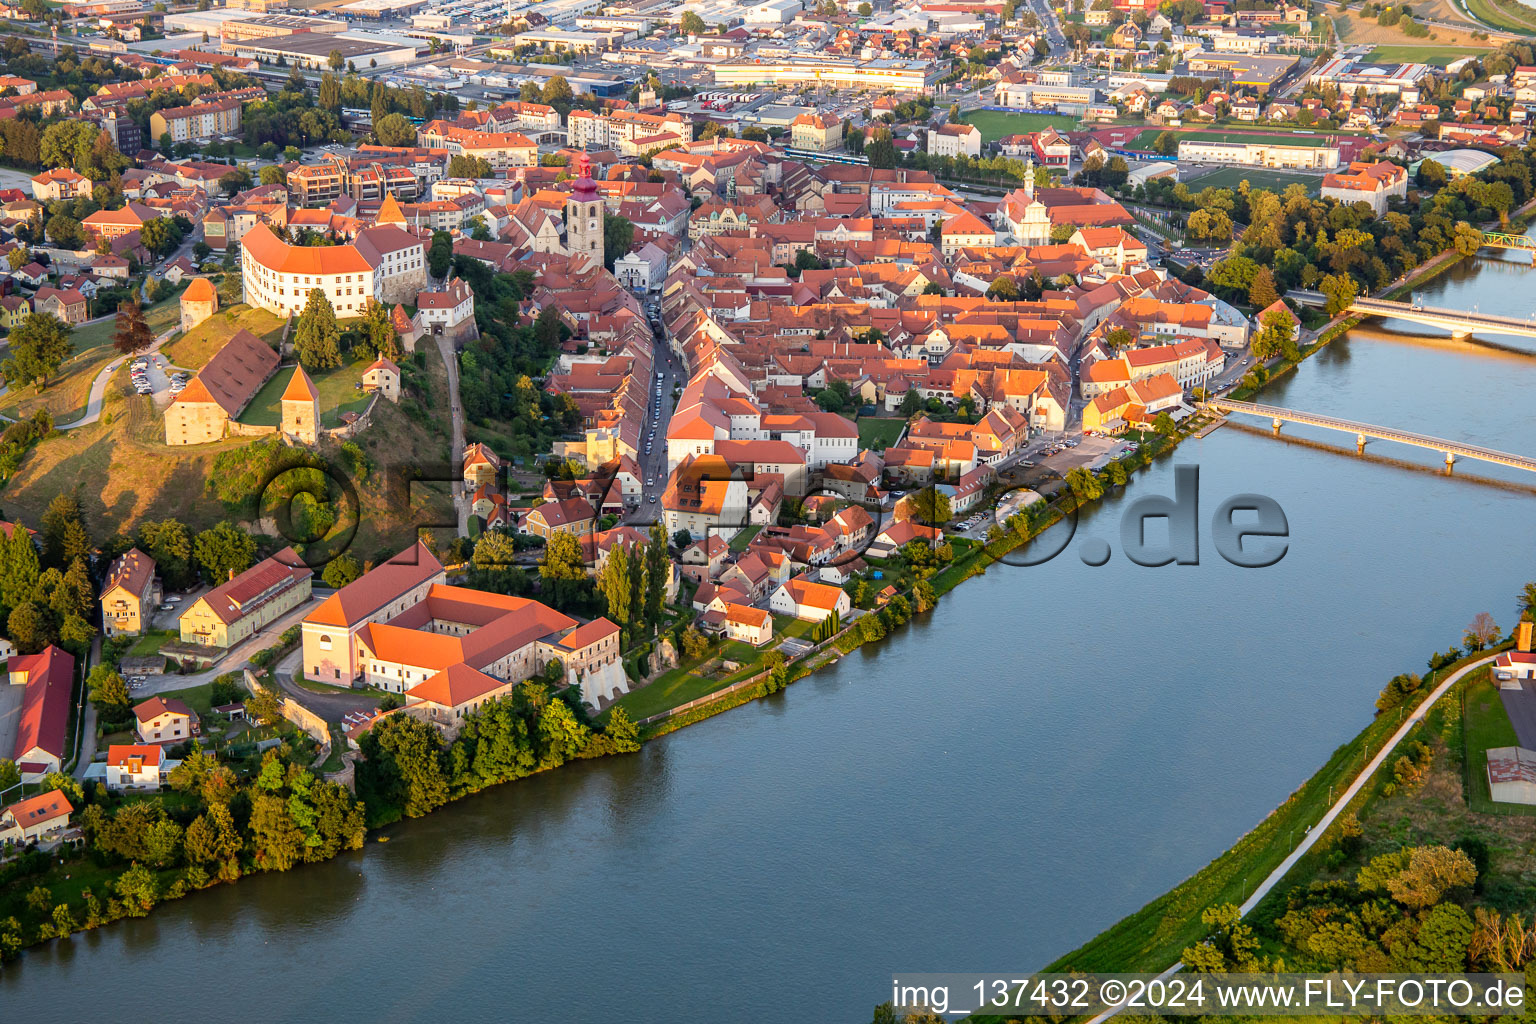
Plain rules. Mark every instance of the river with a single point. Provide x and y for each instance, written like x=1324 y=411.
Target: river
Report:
x=1047 y=751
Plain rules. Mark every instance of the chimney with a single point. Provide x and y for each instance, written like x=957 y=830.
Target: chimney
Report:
x=1523 y=633
x=231 y=572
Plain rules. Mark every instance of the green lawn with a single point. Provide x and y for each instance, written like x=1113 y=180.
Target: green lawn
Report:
x=338 y=394
x=193 y=349
x=879 y=433
x=150 y=642
x=743 y=538
x=1487 y=725
x=1257 y=177
x=1439 y=56
x=160 y=317
x=679 y=686
x=995 y=124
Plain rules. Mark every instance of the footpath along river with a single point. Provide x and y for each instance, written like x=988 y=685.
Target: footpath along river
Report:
x=1047 y=751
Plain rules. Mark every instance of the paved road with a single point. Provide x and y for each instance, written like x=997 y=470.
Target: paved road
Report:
x=456 y=416
x=1316 y=831
x=239 y=657
x=653 y=463
x=333 y=707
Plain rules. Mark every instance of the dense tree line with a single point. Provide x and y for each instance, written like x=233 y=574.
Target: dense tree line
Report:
x=409 y=770
x=269 y=813
x=497 y=372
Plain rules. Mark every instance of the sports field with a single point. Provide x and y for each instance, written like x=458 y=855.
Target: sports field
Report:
x=995 y=124
x=1256 y=177
x=1437 y=56
x=1144 y=140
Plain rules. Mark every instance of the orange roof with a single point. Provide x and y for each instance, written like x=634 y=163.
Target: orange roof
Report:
x=300 y=388
x=37 y=809
x=157 y=706
x=747 y=615
x=119 y=755
x=280 y=257
x=588 y=634
x=455 y=685
x=816 y=595
x=200 y=290
x=377 y=587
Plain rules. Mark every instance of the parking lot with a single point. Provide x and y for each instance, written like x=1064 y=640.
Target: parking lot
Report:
x=151 y=374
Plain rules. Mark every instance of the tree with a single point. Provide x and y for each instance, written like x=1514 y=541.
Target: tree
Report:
x=440 y=253
x=1432 y=873
x=335 y=60
x=1164 y=425
x=1466 y=239
x=930 y=506
x=658 y=572
x=66 y=231
x=1003 y=289
x=557 y=90
x=38 y=347
x=133 y=333
x=316 y=339
x=235 y=181
x=692 y=24
x=1398 y=690
x=1262 y=293
x=108 y=691
x=1275 y=336
x=265 y=706
x=341 y=570
x=614 y=584
x=1084 y=485
x=618 y=236
x=1166 y=144
x=395 y=130
x=1341 y=291
x=694 y=644
x=1527 y=600
x=1482 y=632
x=169 y=543
x=272 y=174
x=378 y=334
x=224 y=552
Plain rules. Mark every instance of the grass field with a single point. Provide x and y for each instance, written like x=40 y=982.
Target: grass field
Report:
x=1438 y=56
x=995 y=124
x=1510 y=15
x=193 y=349
x=1256 y=177
x=879 y=433
x=1354 y=29
x=338 y=395
x=1487 y=725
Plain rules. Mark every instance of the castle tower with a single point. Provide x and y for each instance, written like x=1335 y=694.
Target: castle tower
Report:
x=1029 y=180
x=584 y=214
x=301 y=408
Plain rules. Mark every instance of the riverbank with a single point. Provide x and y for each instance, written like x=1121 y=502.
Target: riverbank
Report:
x=1154 y=937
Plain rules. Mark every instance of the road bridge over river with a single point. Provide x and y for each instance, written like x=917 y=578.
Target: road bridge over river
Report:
x=1364 y=432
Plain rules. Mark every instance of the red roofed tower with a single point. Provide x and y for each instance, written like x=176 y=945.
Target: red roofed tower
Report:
x=584 y=214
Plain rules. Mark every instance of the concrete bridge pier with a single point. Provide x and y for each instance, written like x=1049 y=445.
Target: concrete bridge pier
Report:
x=1276 y=425
x=1360 y=443
x=1450 y=462
x=1461 y=334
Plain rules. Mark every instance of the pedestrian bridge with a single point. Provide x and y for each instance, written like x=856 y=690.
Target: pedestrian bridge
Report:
x=1452 y=450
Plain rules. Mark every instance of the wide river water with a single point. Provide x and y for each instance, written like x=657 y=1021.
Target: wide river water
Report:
x=1047 y=751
